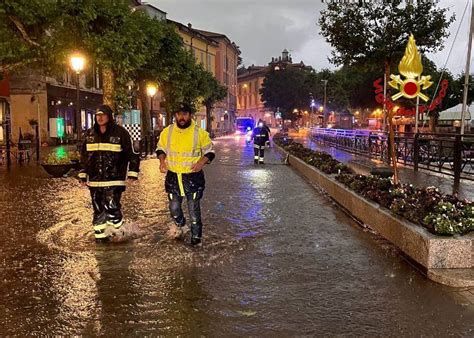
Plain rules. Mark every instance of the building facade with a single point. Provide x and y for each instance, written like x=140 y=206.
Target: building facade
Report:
x=4 y=105
x=227 y=61
x=52 y=102
x=250 y=81
x=204 y=50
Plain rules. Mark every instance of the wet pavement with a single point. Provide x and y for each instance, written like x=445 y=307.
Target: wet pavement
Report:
x=421 y=178
x=279 y=258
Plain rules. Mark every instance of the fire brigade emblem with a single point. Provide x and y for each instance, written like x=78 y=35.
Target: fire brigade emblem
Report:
x=411 y=68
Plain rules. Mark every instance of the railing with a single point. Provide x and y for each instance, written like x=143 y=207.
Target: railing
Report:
x=443 y=153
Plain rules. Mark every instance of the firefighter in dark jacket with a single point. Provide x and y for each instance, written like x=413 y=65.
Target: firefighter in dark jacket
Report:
x=108 y=159
x=260 y=137
x=183 y=150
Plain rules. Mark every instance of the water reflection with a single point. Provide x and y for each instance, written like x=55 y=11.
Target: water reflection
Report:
x=278 y=259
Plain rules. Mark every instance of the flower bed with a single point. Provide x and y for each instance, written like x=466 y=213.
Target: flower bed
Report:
x=317 y=159
x=440 y=214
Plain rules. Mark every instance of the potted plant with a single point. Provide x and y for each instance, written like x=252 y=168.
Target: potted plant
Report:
x=75 y=157
x=59 y=163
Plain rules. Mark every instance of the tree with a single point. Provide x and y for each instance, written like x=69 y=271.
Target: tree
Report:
x=287 y=90
x=376 y=33
x=127 y=46
x=23 y=38
x=337 y=95
x=213 y=92
x=41 y=34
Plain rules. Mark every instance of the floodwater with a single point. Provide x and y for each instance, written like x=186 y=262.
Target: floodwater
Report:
x=279 y=258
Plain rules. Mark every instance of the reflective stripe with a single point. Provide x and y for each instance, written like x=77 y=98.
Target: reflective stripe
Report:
x=208 y=149
x=82 y=175
x=180 y=183
x=168 y=145
x=102 y=235
x=255 y=157
x=132 y=174
x=196 y=139
x=104 y=147
x=100 y=227
x=171 y=196
x=116 y=225
x=182 y=164
x=194 y=195
x=106 y=183
x=184 y=154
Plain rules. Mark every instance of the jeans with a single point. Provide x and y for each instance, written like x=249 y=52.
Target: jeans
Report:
x=194 y=207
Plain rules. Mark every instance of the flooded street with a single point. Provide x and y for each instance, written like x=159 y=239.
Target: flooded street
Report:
x=279 y=258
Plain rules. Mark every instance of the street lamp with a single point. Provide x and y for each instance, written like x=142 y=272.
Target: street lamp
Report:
x=77 y=62
x=312 y=105
x=151 y=90
x=324 y=106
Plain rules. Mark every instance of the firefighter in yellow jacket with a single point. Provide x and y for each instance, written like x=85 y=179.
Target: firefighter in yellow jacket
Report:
x=183 y=150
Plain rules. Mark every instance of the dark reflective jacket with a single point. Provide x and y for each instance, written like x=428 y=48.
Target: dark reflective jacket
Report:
x=108 y=158
x=260 y=135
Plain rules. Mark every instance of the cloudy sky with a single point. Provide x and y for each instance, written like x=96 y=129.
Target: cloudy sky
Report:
x=263 y=28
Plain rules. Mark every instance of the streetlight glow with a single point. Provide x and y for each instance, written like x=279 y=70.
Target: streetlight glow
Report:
x=77 y=62
x=151 y=89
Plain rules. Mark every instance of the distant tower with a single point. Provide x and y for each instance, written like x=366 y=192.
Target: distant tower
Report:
x=285 y=55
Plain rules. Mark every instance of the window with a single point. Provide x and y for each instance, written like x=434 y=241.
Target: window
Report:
x=208 y=61
x=202 y=58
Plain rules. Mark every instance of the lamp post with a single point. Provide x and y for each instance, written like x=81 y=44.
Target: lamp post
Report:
x=312 y=105
x=77 y=62
x=324 y=105
x=151 y=90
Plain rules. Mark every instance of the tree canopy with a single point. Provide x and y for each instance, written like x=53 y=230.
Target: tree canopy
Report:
x=375 y=33
x=126 y=45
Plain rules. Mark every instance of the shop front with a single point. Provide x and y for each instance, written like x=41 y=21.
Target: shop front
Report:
x=62 y=108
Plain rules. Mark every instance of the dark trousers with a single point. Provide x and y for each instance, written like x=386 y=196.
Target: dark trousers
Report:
x=194 y=206
x=259 y=152
x=107 y=209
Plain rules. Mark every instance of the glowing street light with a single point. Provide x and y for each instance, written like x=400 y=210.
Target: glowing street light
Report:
x=151 y=90
x=77 y=62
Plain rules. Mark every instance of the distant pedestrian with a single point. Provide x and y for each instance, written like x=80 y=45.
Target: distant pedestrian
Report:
x=183 y=150
x=107 y=159
x=260 y=137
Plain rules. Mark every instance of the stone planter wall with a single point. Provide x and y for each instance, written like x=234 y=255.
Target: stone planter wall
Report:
x=425 y=248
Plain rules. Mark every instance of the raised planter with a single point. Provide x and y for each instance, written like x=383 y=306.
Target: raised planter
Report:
x=428 y=250
x=57 y=170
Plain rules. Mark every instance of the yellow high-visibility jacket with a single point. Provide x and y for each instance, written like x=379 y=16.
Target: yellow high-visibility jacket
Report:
x=183 y=148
